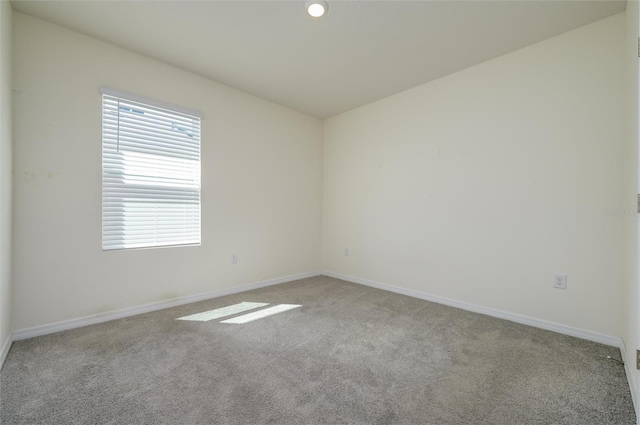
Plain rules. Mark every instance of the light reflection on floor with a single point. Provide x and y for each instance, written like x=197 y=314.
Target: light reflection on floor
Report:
x=218 y=313
x=205 y=316
x=250 y=317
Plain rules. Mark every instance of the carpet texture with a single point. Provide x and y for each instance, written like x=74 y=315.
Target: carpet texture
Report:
x=349 y=354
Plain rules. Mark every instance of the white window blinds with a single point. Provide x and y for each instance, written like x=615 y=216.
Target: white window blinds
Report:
x=150 y=174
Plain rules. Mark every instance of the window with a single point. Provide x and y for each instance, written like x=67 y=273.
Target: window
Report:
x=150 y=173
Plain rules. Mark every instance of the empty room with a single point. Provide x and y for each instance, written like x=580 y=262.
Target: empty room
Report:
x=331 y=212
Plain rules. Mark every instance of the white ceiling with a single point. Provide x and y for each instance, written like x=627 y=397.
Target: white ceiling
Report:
x=360 y=51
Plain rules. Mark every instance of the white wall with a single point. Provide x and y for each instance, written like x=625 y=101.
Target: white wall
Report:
x=481 y=185
x=631 y=176
x=261 y=183
x=5 y=175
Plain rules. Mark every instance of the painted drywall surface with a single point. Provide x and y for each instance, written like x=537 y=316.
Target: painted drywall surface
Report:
x=261 y=183
x=631 y=319
x=5 y=170
x=482 y=185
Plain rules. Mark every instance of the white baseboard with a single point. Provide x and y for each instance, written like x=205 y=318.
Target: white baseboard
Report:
x=132 y=311
x=629 y=369
x=513 y=317
x=5 y=350
x=146 y=308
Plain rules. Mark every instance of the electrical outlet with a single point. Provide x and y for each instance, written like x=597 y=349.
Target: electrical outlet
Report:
x=346 y=252
x=234 y=258
x=560 y=281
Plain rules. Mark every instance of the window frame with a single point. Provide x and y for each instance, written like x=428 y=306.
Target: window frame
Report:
x=164 y=186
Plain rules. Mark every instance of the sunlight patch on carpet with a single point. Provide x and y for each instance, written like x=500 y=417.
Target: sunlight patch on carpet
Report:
x=245 y=318
x=205 y=316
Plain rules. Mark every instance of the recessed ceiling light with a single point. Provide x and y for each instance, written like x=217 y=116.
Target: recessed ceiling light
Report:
x=317 y=8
